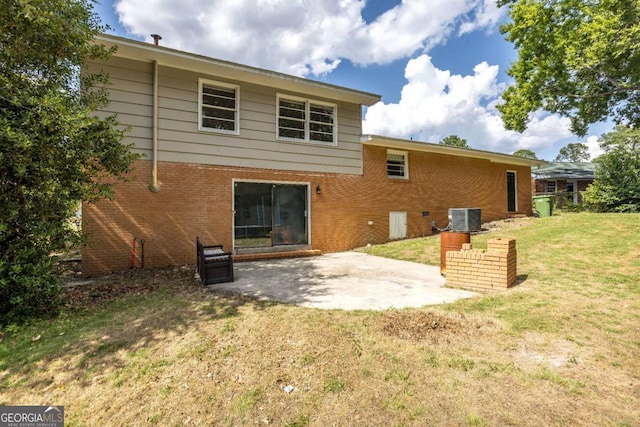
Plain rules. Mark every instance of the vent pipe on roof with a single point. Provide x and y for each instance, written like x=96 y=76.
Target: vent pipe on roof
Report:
x=156 y=39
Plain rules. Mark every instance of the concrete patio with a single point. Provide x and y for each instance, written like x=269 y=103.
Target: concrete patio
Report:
x=344 y=280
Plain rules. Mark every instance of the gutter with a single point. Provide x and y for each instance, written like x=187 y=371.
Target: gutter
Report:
x=404 y=144
x=154 y=187
x=142 y=51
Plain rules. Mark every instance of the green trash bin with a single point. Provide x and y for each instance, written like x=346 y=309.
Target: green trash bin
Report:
x=543 y=205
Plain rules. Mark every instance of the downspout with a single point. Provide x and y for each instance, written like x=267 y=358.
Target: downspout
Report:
x=154 y=187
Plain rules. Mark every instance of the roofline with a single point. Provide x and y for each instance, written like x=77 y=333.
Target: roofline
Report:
x=564 y=174
x=404 y=144
x=142 y=51
x=563 y=177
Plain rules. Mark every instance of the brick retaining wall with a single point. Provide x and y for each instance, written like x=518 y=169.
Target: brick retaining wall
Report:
x=480 y=270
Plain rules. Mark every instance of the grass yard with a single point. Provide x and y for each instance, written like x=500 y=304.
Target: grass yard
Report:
x=152 y=348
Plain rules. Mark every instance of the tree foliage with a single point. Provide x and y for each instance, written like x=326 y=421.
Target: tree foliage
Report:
x=578 y=58
x=573 y=152
x=526 y=153
x=454 y=141
x=52 y=147
x=616 y=187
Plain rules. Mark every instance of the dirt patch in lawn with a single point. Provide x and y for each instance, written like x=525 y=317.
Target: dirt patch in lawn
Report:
x=508 y=224
x=430 y=325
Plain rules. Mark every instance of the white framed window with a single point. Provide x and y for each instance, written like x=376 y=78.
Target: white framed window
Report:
x=305 y=120
x=397 y=164
x=551 y=187
x=218 y=107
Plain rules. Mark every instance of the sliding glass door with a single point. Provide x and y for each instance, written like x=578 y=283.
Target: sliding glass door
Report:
x=289 y=215
x=270 y=214
x=252 y=214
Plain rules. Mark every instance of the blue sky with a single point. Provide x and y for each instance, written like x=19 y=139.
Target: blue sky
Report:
x=439 y=65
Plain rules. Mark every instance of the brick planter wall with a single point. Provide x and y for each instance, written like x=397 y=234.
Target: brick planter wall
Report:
x=481 y=270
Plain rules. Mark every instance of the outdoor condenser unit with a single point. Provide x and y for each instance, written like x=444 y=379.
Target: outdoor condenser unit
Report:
x=464 y=219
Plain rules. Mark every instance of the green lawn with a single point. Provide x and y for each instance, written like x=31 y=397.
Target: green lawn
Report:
x=152 y=348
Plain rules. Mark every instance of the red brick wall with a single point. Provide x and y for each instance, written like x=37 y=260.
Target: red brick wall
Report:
x=196 y=200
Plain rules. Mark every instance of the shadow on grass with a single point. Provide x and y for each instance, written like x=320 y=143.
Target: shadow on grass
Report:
x=226 y=304
x=108 y=322
x=114 y=322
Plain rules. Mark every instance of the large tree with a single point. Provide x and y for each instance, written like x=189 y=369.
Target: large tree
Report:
x=617 y=181
x=53 y=147
x=573 y=152
x=526 y=153
x=454 y=141
x=578 y=58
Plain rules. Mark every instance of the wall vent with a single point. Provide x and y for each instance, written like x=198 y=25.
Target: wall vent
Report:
x=464 y=219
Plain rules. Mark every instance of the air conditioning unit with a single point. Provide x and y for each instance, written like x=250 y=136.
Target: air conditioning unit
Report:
x=464 y=219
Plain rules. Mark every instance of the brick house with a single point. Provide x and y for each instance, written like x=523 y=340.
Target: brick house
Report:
x=269 y=164
x=565 y=180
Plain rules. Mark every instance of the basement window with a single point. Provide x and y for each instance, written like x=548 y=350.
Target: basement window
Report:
x=397 y=164
x=218 y=107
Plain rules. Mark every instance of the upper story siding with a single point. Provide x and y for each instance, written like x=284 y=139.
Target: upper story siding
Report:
x=256 y=145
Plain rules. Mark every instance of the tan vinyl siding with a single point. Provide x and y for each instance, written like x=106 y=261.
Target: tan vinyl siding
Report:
x=130 y=93
x=256 y=145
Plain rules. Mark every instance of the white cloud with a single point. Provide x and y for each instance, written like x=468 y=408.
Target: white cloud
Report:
x=302 y=37
x=434 y=103
x=487 y=15
x=408 y=27
x=312 y=37
x=593 y=143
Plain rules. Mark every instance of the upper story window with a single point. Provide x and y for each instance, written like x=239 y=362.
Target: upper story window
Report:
x=306 y=121
x=397 y=164
x=551 y=186
x=218 y=107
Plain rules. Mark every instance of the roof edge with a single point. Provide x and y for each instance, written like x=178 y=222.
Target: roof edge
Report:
x=566 y=170
x=390 y=142
x=147 y=52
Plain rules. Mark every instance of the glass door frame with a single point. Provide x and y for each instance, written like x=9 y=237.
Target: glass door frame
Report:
x=307 y=186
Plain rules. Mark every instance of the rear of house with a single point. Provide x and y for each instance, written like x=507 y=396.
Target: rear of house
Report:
x=266 y=163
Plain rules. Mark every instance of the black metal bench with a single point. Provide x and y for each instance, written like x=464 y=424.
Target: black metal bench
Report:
x=214 y=265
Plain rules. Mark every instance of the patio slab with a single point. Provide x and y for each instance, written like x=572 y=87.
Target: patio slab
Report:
x=344 y=280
